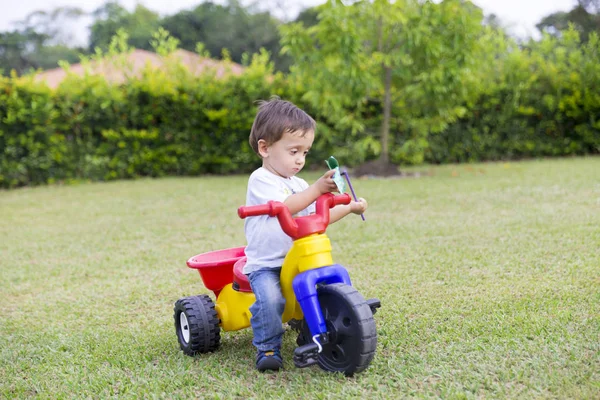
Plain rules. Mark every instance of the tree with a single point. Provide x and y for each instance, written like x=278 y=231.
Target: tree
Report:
x=230 y=26
x=585 y=18
x=494 y=22
x=52 y=25
x=309 y=16
x=48 y=56
x=40 y=41
x=139 y=25
x=25 y=51
x=16 y=50
x=411 y=59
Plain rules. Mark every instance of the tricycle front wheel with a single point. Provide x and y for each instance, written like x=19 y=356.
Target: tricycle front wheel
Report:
x=197 y=325
x=351 y=330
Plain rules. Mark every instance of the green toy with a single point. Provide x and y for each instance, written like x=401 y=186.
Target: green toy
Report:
x=339 y=182
x=337 y=177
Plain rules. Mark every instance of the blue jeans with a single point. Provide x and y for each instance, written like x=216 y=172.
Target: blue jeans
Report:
x=267 y=310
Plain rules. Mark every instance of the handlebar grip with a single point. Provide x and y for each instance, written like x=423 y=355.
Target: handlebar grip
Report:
x=342 y=199
x=253 y=211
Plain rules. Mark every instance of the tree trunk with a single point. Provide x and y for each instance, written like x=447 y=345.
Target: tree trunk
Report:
x=387 y=111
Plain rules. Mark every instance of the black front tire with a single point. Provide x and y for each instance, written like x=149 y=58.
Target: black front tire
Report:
x=197 y=325
x=351 y=328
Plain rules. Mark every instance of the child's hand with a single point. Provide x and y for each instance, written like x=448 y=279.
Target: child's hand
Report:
x=325 y=184
x=358 y=207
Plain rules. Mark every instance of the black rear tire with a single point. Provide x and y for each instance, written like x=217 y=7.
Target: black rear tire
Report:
x=351 y=327
x=197 y=325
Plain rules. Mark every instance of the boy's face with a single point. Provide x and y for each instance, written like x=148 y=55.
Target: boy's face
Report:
x=286 y=157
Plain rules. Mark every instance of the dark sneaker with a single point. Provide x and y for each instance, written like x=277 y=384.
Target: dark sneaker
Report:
x=269 y=360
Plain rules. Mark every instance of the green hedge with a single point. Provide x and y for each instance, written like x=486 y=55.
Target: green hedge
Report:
x=162 y=123
x=538 y=101
x=31 y=151
x=541 y=101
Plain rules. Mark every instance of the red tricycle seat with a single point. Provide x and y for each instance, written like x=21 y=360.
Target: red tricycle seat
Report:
x=240 y=280
x=216 y=267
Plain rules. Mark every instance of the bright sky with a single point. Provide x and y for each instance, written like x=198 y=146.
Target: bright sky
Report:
x=519 y=15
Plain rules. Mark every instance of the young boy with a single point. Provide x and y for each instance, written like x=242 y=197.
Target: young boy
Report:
x=281 y=135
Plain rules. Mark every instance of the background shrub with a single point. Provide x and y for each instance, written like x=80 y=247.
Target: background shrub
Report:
x=535 y=101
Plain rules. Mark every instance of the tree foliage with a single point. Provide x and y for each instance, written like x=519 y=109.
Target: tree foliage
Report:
x=40 y=41
x=17 y=50
x=54 y=25
x=139 y=24
x=584 y=17
x=230 y=26
x=25 y=51
x=411 y=60
x=535 y=101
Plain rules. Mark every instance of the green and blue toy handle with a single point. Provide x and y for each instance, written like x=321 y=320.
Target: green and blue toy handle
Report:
x=333 y=164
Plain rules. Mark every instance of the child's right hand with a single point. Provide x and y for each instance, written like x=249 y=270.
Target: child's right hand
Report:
x=325 y=184
x=359 y=207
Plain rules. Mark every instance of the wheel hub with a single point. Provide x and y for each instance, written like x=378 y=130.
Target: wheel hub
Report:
x=185 y=327
x=332 y=335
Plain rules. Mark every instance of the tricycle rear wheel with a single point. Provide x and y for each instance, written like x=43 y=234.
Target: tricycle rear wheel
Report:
x=351 y=330
x=197 y=325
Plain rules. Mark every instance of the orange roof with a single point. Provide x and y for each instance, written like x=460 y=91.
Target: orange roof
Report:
x=137 y=60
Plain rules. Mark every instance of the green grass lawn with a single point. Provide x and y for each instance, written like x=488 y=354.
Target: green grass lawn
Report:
x=488 y=274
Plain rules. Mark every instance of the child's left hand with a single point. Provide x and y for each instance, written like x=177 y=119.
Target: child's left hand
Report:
x=359 y=207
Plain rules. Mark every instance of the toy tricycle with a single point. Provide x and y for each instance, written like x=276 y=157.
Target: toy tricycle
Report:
x=336 y=326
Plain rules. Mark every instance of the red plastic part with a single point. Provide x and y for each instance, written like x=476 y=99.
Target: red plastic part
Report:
x=299 y=227
x=216 y=267
x=239 y=278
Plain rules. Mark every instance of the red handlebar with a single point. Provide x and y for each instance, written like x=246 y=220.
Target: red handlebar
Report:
x=301 y=226
x=341 y=199
x=254 y=211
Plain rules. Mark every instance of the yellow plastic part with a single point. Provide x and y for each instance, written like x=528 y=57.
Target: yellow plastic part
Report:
x=307 y=253
x=233 y=308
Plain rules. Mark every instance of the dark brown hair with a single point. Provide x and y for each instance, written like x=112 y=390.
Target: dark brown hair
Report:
x=274 y=118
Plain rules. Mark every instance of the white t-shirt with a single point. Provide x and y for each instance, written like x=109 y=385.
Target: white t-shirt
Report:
x=267 y=243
